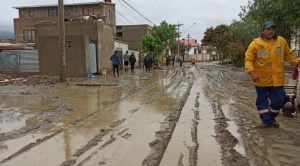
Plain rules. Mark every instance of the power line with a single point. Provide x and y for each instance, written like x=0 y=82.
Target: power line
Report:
x=173 y=9
x=124 y=17
x=125 y=9
x=160 y=8
x=121 y=20
x=158 y=12
x=138 y=12
x=168 y=9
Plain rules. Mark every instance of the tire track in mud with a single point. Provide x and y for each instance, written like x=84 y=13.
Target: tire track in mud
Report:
x=269 y=146
x=263 y=147
x=193 y=151
x=61 y=109
x=94 y=142
x=227 y=141
x=163 y=136
x=29 y=146
x=77 y=121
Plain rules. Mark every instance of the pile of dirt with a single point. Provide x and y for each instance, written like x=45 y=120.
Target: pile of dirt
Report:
x=13 y=79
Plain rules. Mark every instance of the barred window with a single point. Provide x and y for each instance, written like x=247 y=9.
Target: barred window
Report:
x=33 y=13
x=53 y=12
x=28 y=35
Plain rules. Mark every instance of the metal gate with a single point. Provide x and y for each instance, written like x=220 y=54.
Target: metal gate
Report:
x=93 y=57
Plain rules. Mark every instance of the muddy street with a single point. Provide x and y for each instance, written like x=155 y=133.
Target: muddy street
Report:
x=203 y=115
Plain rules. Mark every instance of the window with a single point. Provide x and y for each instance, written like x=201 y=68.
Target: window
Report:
x=33 y=13
x=119 y=34
x=53 y=12
x=195 y=51
x=87 y=10
x=29 y=35
x=108 y=13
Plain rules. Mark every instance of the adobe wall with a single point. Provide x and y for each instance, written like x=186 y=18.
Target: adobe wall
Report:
x=77 y=63
x=96 y=32
x=105 y=47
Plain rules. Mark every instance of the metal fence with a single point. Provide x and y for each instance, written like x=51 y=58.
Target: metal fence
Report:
x=19 y=61
x=10 y=61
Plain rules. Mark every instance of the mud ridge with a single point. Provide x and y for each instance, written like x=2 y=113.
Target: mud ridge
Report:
x=62 y=108
x=94 y=142
x=138 y=91
x=159 y=145
x=193 y=151
x=180 y=160
x=230 y=157
x=29 y=146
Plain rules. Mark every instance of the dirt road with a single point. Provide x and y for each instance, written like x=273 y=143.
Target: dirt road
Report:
x=177 y=116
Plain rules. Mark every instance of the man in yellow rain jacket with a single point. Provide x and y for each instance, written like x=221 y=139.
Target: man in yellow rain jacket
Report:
x=264 y=62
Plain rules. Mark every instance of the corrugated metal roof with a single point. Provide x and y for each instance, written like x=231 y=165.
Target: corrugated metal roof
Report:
x=54 y=5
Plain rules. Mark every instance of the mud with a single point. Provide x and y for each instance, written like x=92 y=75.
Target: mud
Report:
x=202 y=115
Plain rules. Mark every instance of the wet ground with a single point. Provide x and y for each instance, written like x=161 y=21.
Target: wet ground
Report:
x=203 y=115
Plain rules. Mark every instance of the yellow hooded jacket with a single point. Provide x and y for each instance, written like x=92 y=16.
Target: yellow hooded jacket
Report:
x=266 y=58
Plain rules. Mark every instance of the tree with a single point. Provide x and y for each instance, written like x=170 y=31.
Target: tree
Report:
x=160 y=36
x=182 y=48
x=150 y=44
x=218 y=37
x=284 y=13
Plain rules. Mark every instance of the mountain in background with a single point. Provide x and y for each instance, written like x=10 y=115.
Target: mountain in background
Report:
x=6 y=34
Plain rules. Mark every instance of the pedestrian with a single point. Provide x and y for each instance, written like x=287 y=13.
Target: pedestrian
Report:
x=180 y=61
x=140 y=61
x=126 y=61
x=164 y=61
x=168 y=60
x=148 y=61
x=173 y=60
x=264 y=62
x=115 y=63
x=132 y=61
x=193 y=62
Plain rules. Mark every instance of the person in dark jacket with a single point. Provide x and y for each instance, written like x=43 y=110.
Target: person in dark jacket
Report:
x=132 y=61
x=115 y=63
x=148 y=61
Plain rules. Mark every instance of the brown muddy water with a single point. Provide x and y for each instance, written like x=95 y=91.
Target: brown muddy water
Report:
x=203 y=115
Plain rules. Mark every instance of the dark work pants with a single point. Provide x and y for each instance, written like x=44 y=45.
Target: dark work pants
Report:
x=116 y=67
x=268 y=110
x=132 y=67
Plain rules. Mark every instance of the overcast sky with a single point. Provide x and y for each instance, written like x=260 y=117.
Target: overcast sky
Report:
x=195 y=15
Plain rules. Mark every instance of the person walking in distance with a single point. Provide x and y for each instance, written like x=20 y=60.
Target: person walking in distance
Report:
x=126 y=61
x=115 y=63
x=193 y=62
x=148 y=61
x=132 y=61
x=180 y=61
x=264 y=62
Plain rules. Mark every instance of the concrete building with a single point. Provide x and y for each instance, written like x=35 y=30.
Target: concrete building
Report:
x=197 y=51
x=30 y=15
x=131 y=34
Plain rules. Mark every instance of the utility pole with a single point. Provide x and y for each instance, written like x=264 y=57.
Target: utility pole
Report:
x=178 y=37
x=188 y=50
x=62 y=41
